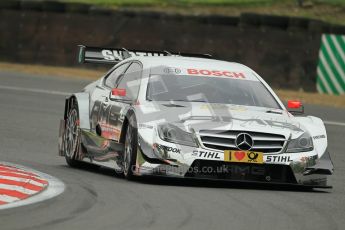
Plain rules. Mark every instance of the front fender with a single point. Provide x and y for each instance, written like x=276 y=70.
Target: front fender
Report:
x=83 y=101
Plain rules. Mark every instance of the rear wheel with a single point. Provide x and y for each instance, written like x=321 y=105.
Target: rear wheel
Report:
x=130 y=152
x=71 y=137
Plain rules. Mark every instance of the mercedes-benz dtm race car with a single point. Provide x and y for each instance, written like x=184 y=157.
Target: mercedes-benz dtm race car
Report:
x=190 y=116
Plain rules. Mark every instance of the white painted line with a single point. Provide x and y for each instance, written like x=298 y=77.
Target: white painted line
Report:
x=17 y=188
x=32 y=90
x=334 y=123
x=27 y=181
x=21 y=173
x=55 y=188
x=8 y=199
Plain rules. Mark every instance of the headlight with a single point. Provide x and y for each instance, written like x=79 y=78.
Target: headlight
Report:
x=303 y=143
x=174 y=134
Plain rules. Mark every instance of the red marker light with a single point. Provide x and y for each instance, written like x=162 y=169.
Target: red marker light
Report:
x=293 y=104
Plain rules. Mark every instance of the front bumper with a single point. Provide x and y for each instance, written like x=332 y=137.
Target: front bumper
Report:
x=305 y=169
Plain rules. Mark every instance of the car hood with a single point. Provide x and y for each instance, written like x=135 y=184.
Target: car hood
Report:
x=196 y=116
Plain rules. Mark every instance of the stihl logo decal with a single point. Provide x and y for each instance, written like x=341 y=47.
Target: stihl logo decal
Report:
x=216 y=73
x=278 y=159
x=206 y=154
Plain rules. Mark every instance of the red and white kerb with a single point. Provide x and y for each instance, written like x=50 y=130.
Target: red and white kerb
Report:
x=17 y=184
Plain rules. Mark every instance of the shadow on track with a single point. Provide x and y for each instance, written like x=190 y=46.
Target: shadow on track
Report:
x=196 y=182
x=207 y=183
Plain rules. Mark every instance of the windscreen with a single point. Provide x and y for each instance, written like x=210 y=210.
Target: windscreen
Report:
x=226 y=90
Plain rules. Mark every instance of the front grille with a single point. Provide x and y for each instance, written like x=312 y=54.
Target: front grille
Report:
x=225 y=140
x=209 y=169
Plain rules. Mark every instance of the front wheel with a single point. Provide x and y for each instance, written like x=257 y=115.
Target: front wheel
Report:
x=130 y=152
x=71 y=137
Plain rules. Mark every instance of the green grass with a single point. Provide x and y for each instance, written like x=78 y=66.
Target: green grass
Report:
x=119 y=2
x=327 y=10
x=332 y=2
x=172 y=2
x=199 y=2
x=225 y=2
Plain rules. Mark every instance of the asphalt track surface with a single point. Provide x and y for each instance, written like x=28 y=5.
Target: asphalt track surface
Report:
x=98 y=199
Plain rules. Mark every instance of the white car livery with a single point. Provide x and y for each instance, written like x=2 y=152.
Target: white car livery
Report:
x=190 y=116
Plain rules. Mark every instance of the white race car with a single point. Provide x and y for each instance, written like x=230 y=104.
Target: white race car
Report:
x=187 y=115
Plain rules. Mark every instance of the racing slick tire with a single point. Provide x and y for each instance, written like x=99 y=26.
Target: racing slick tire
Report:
x=131 y=146
x=71 y=137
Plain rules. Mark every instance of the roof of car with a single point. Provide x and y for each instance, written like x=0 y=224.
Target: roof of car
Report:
x=190 y=62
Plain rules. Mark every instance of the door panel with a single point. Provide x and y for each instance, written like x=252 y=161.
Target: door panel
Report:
x=98 y=97
x=129 y=81
x=107 y=118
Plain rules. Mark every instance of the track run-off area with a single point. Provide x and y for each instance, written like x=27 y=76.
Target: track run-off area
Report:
x=31 y=107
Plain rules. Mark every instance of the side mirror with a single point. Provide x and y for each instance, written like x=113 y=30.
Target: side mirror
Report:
x=117 y=94
x=295 y=107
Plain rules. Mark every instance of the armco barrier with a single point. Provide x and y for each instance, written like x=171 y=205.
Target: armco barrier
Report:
x=331 y=68
x=283 y=50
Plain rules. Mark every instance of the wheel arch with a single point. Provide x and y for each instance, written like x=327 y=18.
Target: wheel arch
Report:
x=83 y=102
x=129 y=113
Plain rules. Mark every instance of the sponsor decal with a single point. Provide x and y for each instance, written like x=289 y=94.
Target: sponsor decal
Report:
x=109 y=131
x=282 y=159
x=172 y=70
x=216 y=73
x=167 y=148
x=309 y=161
x=113 y=55
x=206 y=154
x=306 y=161
x=243 y=156
x=319 y=137
x=245 y=170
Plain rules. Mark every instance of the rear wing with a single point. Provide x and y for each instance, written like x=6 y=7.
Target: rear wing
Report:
x=115 y=55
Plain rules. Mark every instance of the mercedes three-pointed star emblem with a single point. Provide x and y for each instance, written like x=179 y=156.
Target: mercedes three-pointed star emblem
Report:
x=244 y=141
